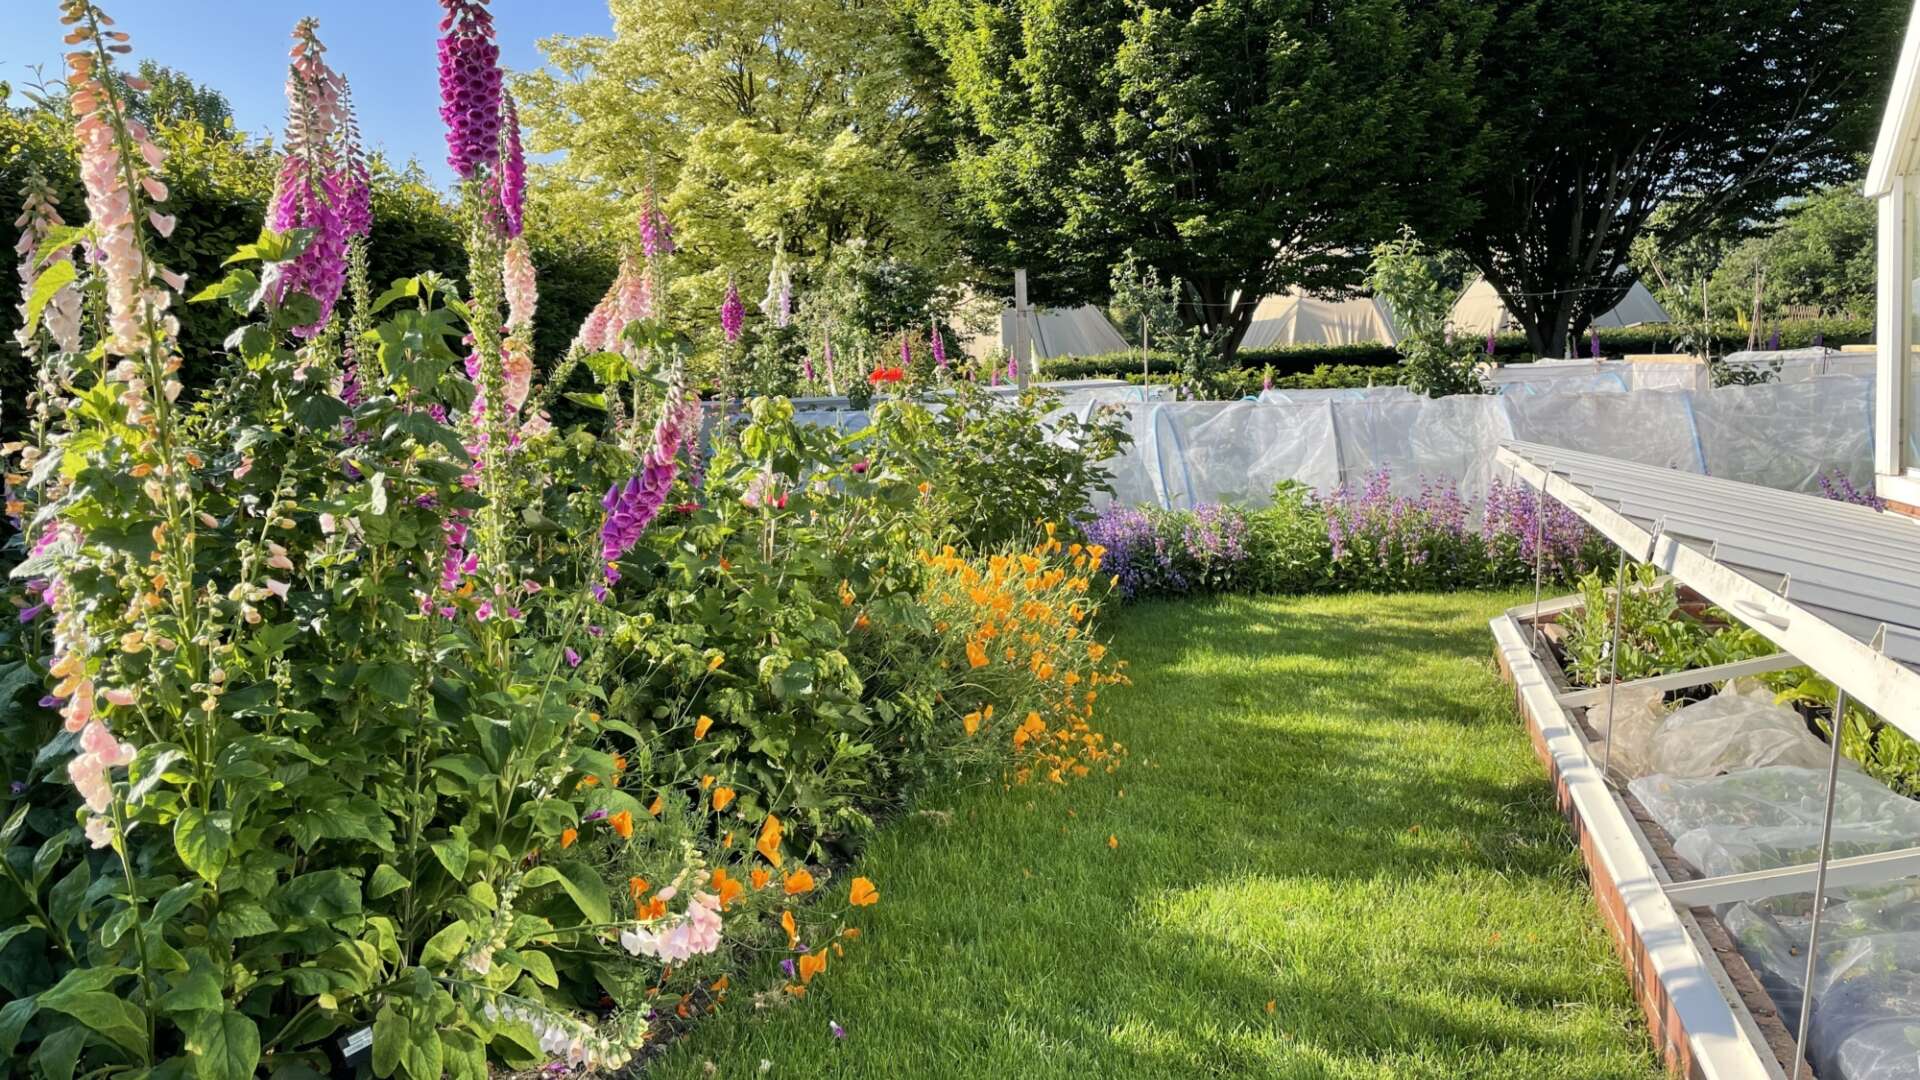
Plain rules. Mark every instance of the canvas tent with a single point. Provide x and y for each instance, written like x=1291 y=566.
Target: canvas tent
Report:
x=1295 y=318
x=1081 y=331
x=1480 y=310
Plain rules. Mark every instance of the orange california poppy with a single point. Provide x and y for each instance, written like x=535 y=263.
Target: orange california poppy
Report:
x=636 y=887
x=567 y=837
x=718 y=659
x=721 y=797
x=976 y=654
x=769 y=843
x=1113 y=841
x=728 y=889
x=812 y=964
x=759 y=877
x=622 y=823
x=971 y=722
x=793 y=932
x=864 y=894
x=701 y=726
x=799 y=881
x=658 y=804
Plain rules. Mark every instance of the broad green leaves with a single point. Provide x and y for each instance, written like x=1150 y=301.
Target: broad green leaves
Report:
x=203 y=840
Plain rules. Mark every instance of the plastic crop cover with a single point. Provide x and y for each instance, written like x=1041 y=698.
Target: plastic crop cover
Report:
x=1413 y=438
x=1637 y=714
x=1866 y=991
x=1351 y=393
x=1775 y=798
x=1812 y=428
x=1741 y=727
x=1650 y=428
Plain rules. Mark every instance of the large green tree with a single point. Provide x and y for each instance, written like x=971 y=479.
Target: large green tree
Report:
x=791 y=123
x=1240 y=146
x=1600 y=112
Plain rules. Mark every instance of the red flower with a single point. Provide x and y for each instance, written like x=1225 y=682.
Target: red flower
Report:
x=886 y=375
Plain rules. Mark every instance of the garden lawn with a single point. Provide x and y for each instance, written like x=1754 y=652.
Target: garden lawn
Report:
x=1336 y=857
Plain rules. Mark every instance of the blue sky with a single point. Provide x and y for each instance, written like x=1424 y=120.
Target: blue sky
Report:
x=239 y=47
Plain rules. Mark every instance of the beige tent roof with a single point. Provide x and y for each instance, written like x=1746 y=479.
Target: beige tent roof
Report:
x=1480 y=310
x=1081 y=331
x=1295 y=318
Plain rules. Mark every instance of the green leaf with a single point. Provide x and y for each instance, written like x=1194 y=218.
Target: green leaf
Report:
x=452 y=853
x=588 y=891
x=51 y=280
x=325 y=895
x=60 y=1051
x=385 y=882
x=467 y=767
x=390 y=1033
x=242 y=919
x=540 y=966
x=13 y=1020
x=203 y=840
x=272 y=247
x=441 y=949
x=198 y=989
x=111 y=1015
x=224 y=1045
x=391 y=680
x=611 y=369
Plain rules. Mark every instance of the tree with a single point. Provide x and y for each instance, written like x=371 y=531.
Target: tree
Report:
x=1240 y=146
x=1599 y=112
x=169 y=96
x=1820 y=256
x=764 y=126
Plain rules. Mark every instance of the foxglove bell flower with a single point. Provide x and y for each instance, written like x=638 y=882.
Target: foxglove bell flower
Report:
x=470 y=86
x=517 y=278
x=317 y=188
x=39 y=216
x=733 y=315
x=656 y=232
x=939 y=348
x=632 y=506
x=507 y=187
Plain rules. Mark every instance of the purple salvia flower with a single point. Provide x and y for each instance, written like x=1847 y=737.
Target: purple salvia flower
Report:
x=470 y=86
x=1593 y=343
x=1489 y=343
x=733 y=314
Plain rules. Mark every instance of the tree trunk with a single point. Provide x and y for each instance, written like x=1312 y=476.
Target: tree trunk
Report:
x=1221 y=307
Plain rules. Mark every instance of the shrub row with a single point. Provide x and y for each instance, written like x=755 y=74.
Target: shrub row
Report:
x=1349 y=362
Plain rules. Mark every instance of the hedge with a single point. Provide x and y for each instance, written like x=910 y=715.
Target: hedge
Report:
x=1355 y=365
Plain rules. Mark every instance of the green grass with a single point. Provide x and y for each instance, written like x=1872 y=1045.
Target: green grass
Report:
x=1331 y=805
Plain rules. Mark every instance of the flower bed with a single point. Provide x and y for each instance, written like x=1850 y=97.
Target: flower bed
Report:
x=355 y=709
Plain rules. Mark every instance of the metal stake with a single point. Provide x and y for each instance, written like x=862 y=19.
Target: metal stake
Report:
x=1613 y=660
x=1820 y=884
x=1539 y=554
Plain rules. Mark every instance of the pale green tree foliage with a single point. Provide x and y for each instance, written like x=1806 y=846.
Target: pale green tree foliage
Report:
x=763 y=124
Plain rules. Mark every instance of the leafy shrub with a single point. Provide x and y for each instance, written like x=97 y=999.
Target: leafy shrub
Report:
x=994 y=471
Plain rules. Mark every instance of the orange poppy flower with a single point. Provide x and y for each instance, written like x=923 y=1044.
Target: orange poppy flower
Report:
x=769 y=843
x=812 y=964
x=760 y=877
x=793 y=932
x=1113 y=841
x=798 y=882
x=864 y=894
x=567 y=837
x=976 y=654
x=658 y=804
x=707 y=781
x=701 y=726
x=971 y=722
x=636 y=887
x=850 y=933
x=622 y=823
x=718 y=659
x=721 y=797
x=728 y=889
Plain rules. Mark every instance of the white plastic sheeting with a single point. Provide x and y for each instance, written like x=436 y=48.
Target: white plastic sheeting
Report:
x=1783 y=435
x=1866 y=992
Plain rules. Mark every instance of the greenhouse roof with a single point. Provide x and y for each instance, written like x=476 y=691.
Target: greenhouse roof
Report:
x=1835 y=584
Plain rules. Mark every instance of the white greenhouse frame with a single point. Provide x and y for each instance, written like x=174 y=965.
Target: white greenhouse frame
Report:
x=1894 y=180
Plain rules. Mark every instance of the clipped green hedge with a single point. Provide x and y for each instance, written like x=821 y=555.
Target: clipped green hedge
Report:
x=1327 y=366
